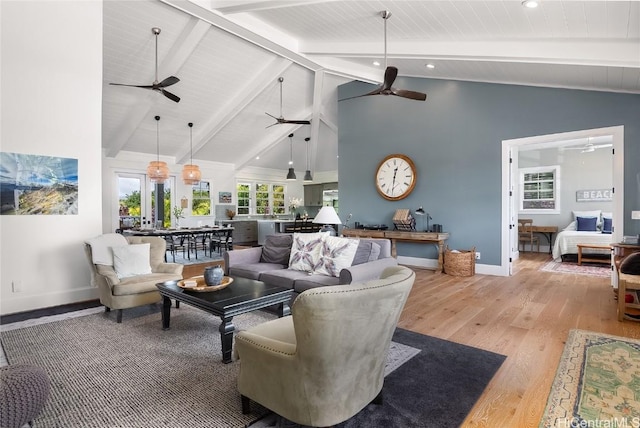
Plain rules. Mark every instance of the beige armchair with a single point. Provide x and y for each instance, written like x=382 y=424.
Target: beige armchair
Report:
x=127 y=292
x=325 y=363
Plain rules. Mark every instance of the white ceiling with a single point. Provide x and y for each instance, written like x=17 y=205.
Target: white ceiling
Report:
x=229 y=55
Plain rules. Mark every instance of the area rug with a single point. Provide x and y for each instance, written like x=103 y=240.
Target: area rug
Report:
x=134 y=374
x=436 y=388
x=597 y=383
x=598 y=270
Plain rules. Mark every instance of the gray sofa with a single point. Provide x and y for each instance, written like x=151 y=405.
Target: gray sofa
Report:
x=270 y=264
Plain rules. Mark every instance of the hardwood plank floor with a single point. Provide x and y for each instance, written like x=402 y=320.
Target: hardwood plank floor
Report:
x=526 y=317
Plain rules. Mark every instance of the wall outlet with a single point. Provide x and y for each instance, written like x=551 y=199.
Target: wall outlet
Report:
x=635 y=215
x=477 y=255
x=16 y=286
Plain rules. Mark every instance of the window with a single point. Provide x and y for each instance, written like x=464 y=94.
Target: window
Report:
x=201 y=203
x=539 y=189
x=260 y=198
x=243 y=196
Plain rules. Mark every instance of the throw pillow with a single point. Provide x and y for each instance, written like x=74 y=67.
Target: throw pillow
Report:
x=592 y=213
x=606 y=225
x=132 y=260
x=277 y=249
x=367 y=251
x=587 y=224
x=336 y=254
x=305 y=251
x=101 y=247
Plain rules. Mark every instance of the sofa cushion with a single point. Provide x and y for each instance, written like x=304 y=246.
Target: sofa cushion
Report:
x=305 y=251
x=283 y=277
x=253 y=270
x=131 y=260
x=313 y=281
x=142 y=283
x=367 y=251
x=277 y=249
x=336 y=254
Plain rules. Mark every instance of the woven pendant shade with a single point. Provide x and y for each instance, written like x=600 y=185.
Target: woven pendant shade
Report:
x=191 y=173
x=158 y=171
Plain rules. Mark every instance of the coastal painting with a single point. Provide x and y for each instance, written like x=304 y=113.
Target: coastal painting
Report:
x=38 y=185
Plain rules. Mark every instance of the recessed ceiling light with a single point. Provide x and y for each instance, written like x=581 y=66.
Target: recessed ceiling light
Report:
x=257 y=157
x=531 y=4
x=376 y=63
x=431 y=66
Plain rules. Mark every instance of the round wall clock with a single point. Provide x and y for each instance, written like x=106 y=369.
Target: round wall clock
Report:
x=395 y=177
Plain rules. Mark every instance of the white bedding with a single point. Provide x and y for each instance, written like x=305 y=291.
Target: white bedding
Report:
x=567 y=242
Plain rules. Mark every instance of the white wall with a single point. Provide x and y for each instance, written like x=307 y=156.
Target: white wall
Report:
x=51 y=98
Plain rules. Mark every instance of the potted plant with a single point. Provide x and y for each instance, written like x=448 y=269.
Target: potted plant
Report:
x=178 y=213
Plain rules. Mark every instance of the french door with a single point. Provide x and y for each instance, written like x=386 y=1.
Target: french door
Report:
x=136 y=202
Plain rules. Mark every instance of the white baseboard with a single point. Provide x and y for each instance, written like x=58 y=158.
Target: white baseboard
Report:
x=433 y=264
x=19 y=302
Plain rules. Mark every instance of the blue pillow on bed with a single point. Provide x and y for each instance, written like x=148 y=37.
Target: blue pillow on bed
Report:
x=606 y=225
x=586 y=224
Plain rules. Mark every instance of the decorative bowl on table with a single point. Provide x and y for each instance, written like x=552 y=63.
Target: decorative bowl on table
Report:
x=197 y=283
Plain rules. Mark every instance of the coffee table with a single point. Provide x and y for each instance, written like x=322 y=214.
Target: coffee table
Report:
x=241 y=296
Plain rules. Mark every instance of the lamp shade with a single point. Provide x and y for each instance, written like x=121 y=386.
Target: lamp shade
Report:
x=307 y=176
x=191 y=174
x=158 y=171
x=291 y=175
x=327 y=215
x=420 y=211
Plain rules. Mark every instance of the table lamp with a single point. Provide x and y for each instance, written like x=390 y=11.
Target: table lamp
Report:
x=421 y=212
x=327 y=216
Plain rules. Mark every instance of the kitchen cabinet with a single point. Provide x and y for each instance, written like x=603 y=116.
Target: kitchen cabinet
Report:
x=313 y=195
x=245 y=232
x=330 y=186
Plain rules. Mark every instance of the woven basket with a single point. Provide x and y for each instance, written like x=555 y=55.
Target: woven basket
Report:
x=460 y=264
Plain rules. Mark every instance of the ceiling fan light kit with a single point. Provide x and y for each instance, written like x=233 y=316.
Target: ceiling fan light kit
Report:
x=191 y=173
x=158 y=171
x=157 y=85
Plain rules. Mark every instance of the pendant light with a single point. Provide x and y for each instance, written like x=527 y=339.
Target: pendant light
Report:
x=307 y=174
x=291 y=175
x=158 y=171
x=191 y=173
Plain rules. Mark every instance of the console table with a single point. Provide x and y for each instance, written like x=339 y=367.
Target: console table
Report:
x=547 y=231
x=437 y=238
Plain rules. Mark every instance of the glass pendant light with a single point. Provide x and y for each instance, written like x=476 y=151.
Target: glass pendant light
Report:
x=158 y=171
x=191 y=173
x=291 y=175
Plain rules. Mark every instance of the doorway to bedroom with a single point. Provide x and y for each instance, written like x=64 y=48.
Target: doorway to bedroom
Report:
x=586 y=167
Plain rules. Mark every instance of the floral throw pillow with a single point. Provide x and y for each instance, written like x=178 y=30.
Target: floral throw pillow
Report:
x=335 y=255
x=305 y=251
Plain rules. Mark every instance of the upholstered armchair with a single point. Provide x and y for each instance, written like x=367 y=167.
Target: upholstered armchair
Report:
x=127 y=269
x=325 y=363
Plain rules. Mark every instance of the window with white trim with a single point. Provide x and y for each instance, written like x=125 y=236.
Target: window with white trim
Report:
x=540 y=189
x=201 y=199
x=260 y=198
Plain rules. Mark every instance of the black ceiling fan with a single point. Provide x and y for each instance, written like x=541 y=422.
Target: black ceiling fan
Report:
x=156 y=85
x=281 y=120
x=390 y=74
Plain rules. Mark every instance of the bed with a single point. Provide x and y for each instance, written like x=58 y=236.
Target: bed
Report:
x=567 y=241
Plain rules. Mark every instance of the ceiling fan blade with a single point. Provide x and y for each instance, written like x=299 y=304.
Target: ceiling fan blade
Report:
x=390 y=75
x=412 y=95
x=133 y=86
x=297 y=122
x=170 y=95
x=171 y=80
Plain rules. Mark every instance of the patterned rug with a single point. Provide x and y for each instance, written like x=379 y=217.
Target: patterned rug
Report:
x=597 y=383
x=599 y=270
x=134 y=374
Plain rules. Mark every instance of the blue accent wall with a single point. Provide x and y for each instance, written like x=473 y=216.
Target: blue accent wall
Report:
x=455 y=139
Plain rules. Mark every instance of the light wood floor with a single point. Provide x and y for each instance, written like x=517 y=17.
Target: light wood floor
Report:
x=526 y=317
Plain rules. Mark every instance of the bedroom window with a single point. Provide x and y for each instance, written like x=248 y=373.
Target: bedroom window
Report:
x=539 y=190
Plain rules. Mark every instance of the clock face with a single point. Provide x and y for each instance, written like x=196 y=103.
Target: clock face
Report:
x=395 y=177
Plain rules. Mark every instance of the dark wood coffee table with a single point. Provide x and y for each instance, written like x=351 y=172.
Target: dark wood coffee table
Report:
x=242 y=295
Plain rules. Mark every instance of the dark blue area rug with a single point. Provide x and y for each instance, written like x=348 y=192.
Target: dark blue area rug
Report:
x=436 y=388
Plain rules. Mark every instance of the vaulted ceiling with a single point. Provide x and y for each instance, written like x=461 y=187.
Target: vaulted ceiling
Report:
x=229 y=56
